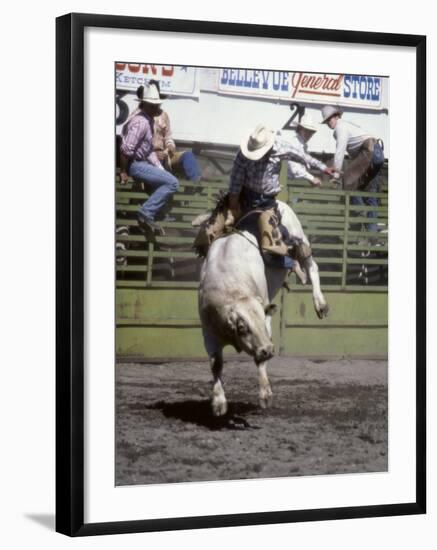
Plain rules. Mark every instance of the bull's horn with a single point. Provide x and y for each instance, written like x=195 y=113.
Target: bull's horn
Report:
x=201 y=218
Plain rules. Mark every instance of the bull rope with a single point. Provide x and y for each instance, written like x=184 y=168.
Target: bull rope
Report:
x=233 y=230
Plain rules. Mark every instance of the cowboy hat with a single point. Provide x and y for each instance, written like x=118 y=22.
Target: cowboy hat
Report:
x=148 y=94
x=308 y=123
x=153 y=82
x=328 y=111
x=256 y=144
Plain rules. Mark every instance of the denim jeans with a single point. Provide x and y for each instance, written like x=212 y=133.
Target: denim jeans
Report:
x=190 y=167
x=160 y=183
x=251 y=199
x=369 y=201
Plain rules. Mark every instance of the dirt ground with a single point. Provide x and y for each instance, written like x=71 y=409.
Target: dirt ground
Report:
x=327 y=417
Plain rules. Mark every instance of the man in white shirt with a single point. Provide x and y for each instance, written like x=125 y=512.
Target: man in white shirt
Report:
x=305 y=130
x=367 y=158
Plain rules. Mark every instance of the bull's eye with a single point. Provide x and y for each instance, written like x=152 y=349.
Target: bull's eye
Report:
x=242 y=328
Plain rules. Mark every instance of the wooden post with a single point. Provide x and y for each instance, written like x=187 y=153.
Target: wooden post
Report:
x=283 y=195
x=282 y=321
x=345 y=239
x=151 y=248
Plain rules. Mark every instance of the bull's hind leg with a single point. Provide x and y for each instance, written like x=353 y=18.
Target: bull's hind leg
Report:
x=215 y=353
x=265 y=391
x=320 y=304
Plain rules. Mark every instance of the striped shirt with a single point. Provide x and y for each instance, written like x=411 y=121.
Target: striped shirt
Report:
x=137 y=139
x=262 y=176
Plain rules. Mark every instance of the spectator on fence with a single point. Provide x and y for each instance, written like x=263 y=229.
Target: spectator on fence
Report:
x=367 y=159
x=140 y=161
x=305 y=130
x=181 y=163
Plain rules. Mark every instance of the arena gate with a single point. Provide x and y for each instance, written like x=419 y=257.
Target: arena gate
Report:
x=156 y=287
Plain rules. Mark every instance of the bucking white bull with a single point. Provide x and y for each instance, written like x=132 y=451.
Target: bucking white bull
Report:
x=235 y=302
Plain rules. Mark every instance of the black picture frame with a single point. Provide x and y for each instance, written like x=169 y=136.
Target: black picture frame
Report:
x=70 y=273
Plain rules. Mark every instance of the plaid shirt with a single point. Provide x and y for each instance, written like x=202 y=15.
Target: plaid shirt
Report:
x=137 y=139
x=262 y=176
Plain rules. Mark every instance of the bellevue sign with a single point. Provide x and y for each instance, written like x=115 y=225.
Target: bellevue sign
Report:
x=342 y=89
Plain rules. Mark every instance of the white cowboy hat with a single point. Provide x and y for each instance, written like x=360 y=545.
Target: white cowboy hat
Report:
x=150 y=94
x=328 y=111
x=256 y=144
x=308 y=123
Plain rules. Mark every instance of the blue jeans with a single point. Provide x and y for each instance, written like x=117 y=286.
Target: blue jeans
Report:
x=190 y=167
x=161 y=184
x=369 y=201
x=251 y=199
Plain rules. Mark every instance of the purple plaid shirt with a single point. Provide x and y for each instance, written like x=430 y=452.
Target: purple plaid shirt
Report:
x=137 y=139
x=262 y=176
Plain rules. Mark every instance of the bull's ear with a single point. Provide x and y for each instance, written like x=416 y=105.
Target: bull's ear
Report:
x=270 y=309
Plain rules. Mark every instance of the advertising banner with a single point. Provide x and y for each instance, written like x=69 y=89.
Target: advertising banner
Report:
x=362 y=91
x=173 y=79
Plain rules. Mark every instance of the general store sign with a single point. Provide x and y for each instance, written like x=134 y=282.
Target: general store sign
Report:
x=173 y=79
x=340 y=89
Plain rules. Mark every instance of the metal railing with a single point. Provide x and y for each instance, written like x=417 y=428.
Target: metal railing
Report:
x=349 y=256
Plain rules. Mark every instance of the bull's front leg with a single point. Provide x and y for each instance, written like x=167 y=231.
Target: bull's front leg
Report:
x=265 y=391
x=215 y=353
x=219 y=403
x=320 y=304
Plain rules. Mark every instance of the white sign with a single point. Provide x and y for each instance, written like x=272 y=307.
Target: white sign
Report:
x=255 y=83
x=173 y=79
x=340 y=89
x=363 y=91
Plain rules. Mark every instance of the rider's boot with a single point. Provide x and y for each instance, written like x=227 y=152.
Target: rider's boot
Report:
x=273 y=243
x=270 y=235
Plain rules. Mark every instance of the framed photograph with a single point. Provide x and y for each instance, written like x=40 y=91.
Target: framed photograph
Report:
x=240 y=274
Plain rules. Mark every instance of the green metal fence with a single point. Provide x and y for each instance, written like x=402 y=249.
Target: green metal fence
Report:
x=348 y=256
x=157 y=281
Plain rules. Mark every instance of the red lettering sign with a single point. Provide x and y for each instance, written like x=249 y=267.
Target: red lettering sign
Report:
x=166 y=70
x=304 y=83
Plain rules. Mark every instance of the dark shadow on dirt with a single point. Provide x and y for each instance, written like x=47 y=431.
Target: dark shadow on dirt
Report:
x=200 y=413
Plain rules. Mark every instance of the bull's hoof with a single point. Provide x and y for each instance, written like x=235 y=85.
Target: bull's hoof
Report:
x=265 y=398
x=219 y=406
x=322 y=311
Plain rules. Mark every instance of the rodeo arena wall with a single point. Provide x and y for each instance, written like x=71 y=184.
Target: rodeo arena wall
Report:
x=210 y=110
